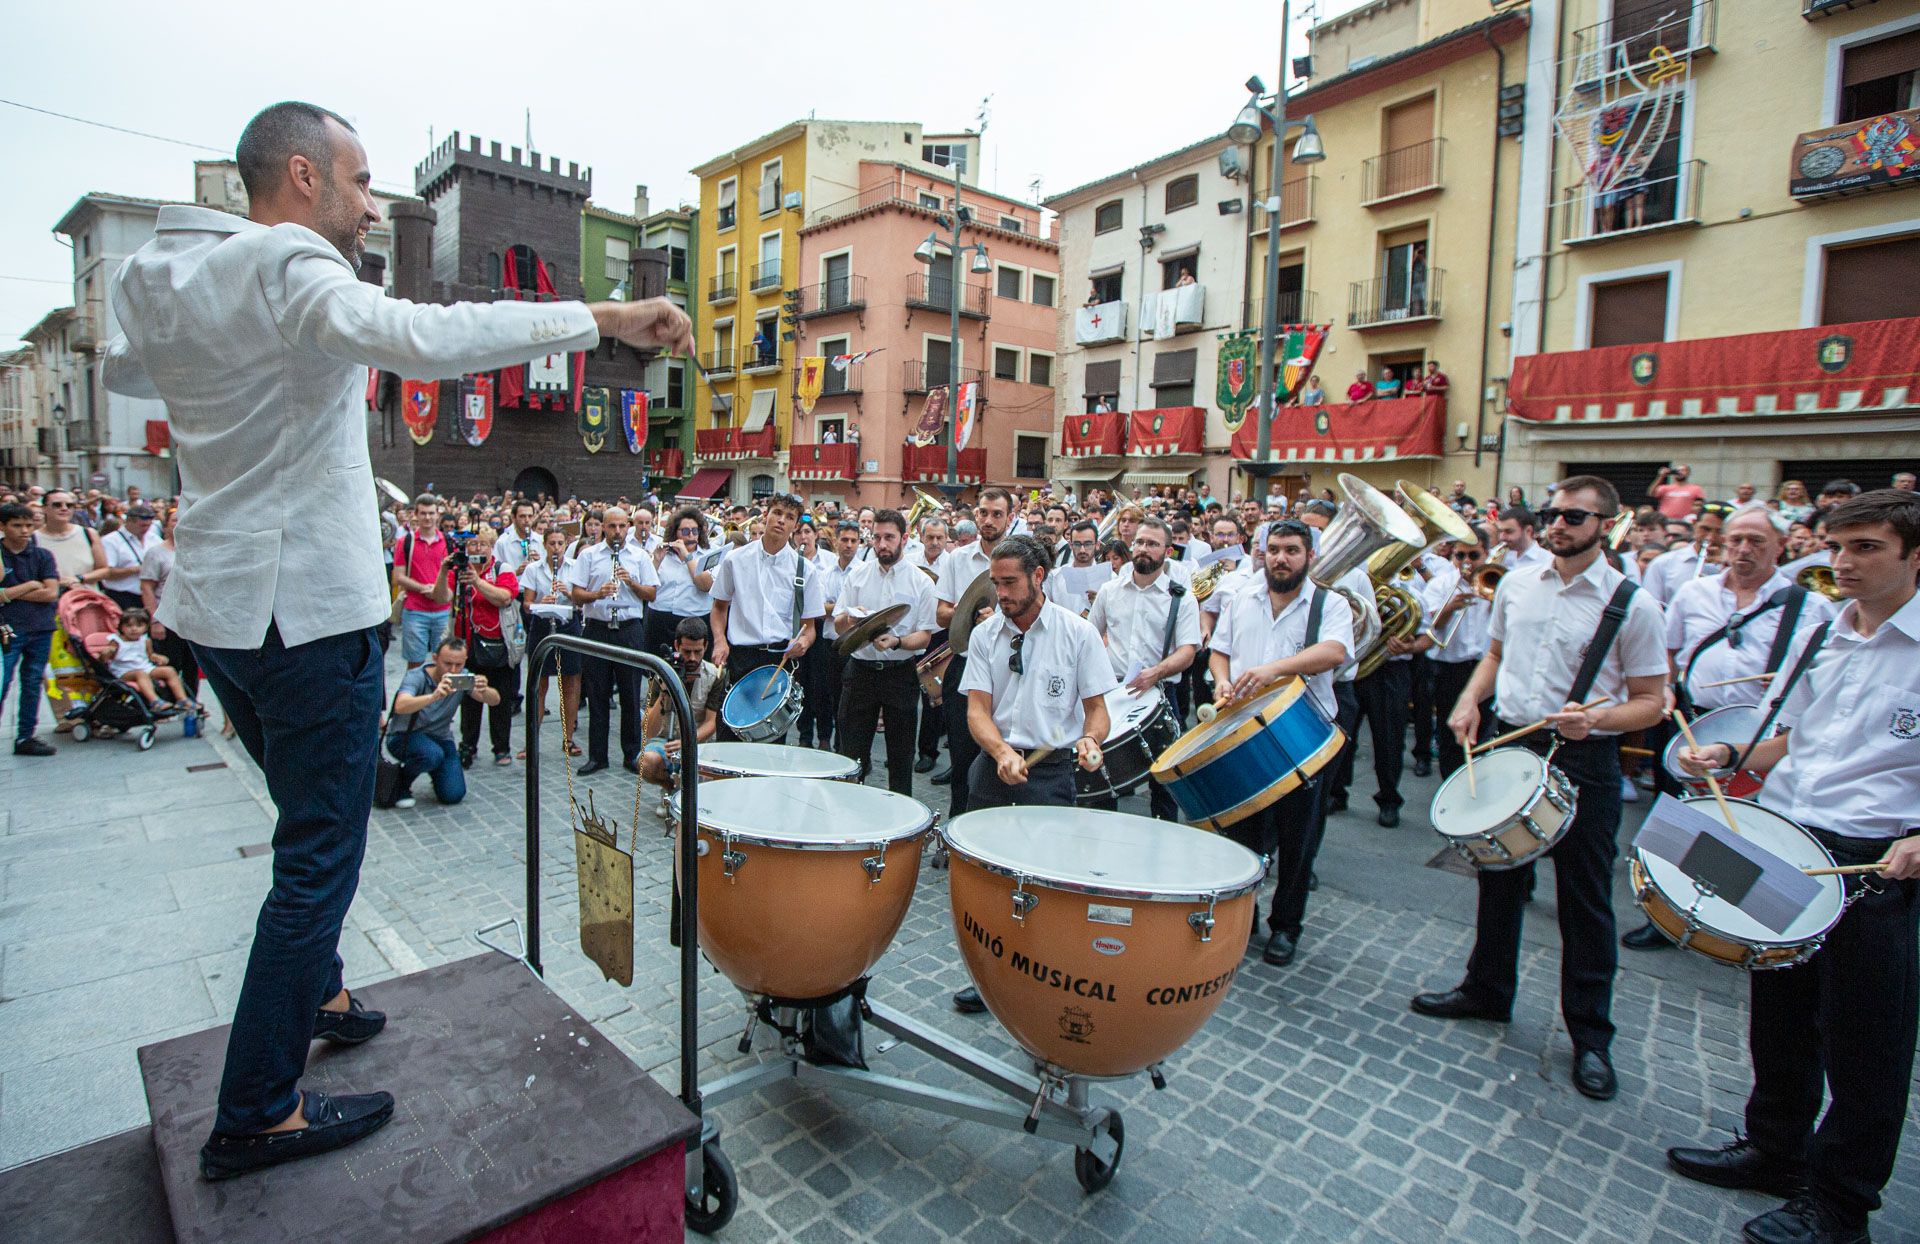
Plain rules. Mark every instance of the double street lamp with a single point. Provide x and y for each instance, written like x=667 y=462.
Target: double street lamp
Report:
x=928 y=252
x=1246 y=130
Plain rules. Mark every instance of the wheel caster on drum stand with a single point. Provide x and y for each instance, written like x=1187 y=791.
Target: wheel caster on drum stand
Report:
x=1093 y=1173
x=719 y=1194
x=1158 y=1075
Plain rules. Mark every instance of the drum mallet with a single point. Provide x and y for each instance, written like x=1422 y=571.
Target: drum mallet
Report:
x=1523 y=731
x=1846 y=870
x=1713 y=785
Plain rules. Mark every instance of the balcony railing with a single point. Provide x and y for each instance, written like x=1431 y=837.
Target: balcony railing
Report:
x=755 y=359
x=727 y=216
x=718 y=362
x=917 y=376
x=724 y=443
x=1401 y=172
x=1394 y=300
x=1635 y=206
x=766 y=276
x=847 y=293
x=723 y=286
x=931 y=292
x=1296 y=307
x=1296 y=203
x=1682 y=27
x=671 y=463
x=836 y=382
x=927 y=464
x=814 y=461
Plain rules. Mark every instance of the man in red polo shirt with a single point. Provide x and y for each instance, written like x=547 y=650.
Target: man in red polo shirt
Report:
x=1673 y=495
x=1434 y=382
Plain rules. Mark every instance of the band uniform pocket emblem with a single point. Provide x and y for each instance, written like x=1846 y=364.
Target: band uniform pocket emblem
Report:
x=1905 y=724
x=1056 y=686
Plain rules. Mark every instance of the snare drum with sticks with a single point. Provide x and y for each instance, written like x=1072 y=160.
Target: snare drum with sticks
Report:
x=1733 y=725
x=1139 y=728
x=931 y=669
x=1512 y=810
x=732 y=760
x=1711 y=926
x=764 y=704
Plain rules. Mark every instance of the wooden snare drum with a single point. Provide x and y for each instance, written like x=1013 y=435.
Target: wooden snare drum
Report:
x=1247 y=758
x=803 y=883
x=1523 y=807
x=1102 y=941
x=1713 y=927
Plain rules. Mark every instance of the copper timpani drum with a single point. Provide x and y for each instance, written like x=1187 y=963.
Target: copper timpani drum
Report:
x=1514 y=809
x=803 y=883
x=732 y=760
x=1711 y=926
x=1102 y=941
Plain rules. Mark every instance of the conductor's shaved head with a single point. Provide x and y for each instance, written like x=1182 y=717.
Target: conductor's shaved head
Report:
x=304 y=165
x=279 y=133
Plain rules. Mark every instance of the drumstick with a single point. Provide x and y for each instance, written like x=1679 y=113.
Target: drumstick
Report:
x=1037 y=755
x=1845 y=870
x=1728 y=682
x=1511 y=735
x=1473 y=785
x=1636 y=751
x=1718 y=797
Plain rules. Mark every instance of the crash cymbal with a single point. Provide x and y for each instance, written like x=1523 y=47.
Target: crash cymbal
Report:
x=979 y=594
x=867 y=628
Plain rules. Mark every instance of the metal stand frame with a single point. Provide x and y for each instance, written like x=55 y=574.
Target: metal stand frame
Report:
x=1058 y=1108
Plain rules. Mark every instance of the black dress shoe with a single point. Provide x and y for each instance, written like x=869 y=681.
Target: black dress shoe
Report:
x=1647 y=937
x=1337 y=803
x=351 y=1026
x=1389 y=818
x=1740 y=1164
x=942 y=776
x=592 y=766
x=1457 y=1004
x=631 y=764
x=332 y=1123
x=1313 y=881
x=33 y=747
x=1279 y=950
x=1423 y=767
x=1593 y=1074
x=968 y=1002
x=1806 y=1219
x=466 y=756
x=924 y=764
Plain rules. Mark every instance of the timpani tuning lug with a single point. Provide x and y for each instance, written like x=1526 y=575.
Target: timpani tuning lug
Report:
x=875 y=865
x=1024 y=900
x=1203 y=921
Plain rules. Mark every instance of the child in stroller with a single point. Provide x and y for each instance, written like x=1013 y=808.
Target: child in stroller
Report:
x=93 y=622
x=135 y=661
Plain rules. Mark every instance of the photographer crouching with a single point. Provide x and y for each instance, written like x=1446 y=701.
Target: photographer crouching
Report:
x=481 y=588
x=420 y=736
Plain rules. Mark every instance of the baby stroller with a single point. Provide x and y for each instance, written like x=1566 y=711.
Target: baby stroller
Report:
x=90 y=620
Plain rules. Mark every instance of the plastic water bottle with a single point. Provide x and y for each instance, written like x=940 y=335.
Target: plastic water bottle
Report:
x=191 y=725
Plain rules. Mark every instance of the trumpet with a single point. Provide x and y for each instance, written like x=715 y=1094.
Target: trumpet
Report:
x=1819 y=579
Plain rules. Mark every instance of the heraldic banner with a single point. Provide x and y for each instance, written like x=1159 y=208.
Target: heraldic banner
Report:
x=420 y=407
x=932 y=418
x=1234 y=389
x=476 y=409
x=596 y=417
x=806 y=384
x=1299 y=350
x=966 y=413
x=633 y=418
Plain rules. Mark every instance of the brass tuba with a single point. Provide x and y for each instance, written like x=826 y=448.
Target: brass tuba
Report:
x=1368 y=526
x=924 y=503
x=1819 y=579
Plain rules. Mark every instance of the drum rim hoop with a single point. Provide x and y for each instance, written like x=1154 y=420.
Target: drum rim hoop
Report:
x=1547 y=771
x=1235 y=890
x=1637 y=859
x=1287 y=694
x=851 y=842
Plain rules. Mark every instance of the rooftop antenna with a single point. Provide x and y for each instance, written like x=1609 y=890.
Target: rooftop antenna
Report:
x=529 y=132
x=1033 y=188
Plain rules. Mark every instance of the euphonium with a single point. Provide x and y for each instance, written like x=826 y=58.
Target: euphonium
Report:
x=1207 y=579
x=924 y=503
x=1368 y=526
x=1819 y=579
x=1399 y=619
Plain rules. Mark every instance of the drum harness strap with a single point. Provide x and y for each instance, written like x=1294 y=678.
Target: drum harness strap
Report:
x=1174 y=593
x=1789 y=600
x=1603 y=636
x=1800 y=667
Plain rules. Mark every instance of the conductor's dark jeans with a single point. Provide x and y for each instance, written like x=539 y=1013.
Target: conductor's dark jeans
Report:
x=1843 y=1023
x=310 y=718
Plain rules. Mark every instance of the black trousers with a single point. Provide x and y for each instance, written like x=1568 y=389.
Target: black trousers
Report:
x=743 y=660
x=869 y=687
x=1583 y=876
x=1336 y=777
x=179 y=654
x=126 y=600
x=1383 y=706
x=1656 y=739
x=1844 y=1022
x=599 y=679
x=1288 y=833
x=823 y=674
x=506 y=680
x=961 y=749
x=1450 y=678
x=1049 y=784
x=1424 y=704
x=933 y=722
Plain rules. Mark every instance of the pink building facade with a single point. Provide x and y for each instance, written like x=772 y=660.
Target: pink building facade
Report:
x=862 y=289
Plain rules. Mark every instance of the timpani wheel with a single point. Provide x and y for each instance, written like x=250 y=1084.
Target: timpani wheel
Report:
x=1088 y=1167
x=720 y=1192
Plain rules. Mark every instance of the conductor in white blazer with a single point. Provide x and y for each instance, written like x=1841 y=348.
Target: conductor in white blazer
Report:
x=258 y=336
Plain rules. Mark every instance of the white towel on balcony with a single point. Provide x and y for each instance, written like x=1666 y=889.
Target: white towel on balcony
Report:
x=1162 y=310
x=1105 y=322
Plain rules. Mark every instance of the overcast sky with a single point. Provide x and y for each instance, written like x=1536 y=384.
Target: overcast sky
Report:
x=640 y=92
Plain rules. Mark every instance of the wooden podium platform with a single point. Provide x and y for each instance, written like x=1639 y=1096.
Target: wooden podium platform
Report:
x=516 y=1122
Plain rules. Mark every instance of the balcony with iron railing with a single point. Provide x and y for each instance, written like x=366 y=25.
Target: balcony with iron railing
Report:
x=718 y=362
x=836 y=381
x=918 y=376
x=1401 y=173
x=1296 y=204
x=734 y=443
x=831 y=297
x=757 y=359
x=927 y=464
x=1626 y=43
x=1634 y=206
x=726 y=216
x=928 y=291
x=1387 y=301
x=723 y=286
x=1296 y=307
x=766 y=276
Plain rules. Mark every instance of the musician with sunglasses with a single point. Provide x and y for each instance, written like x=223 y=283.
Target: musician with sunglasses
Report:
x=1461 y=617
x=1572 y=632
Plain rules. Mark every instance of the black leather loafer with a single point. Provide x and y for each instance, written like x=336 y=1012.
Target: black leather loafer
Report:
x=1593 y=1074
x=1389 y=818
x=1647 y=937
x=1423 y=767
x=1805 y=1220
x=968 y=1002
x=924 y=765
x=351 y=1026
x=592 y=766
x=1279 y=950
x=332 y=1123
x=942 y=776
x=1457 y=1004
x=1740 y=1164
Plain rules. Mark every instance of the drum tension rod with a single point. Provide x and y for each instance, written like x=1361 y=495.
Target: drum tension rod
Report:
x=1202 y=922
x=1024 y=901
x=730 y=859
x=875 y=865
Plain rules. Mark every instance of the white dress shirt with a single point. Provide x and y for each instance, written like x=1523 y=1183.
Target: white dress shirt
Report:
x=1235 y=581
x=513 y=549
x=679 y=594
x=1062 y=664
x=958 y=568
x=1073 y=587
x=870 y=587
x=758 y=589
x=1703 y=606
x=1251 y=634
x=1465 y=630
x=1536 y=555
x=1853 y=758
x=833 y=581
x=593 y=570
x=258 y=339
x=541 y=579
x=124 y=553
x=1134 y=621
x=1356 y=582
x=1544 y=626
x=1672 y=568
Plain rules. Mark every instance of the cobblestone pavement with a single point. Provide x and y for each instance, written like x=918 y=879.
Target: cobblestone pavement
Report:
x=1314 y=1106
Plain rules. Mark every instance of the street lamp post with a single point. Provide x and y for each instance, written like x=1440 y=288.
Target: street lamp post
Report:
x=929 y=253
x=1246 y=129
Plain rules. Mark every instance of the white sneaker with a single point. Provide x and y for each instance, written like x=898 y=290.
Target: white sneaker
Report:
x=405 y=801
x=1629 y=793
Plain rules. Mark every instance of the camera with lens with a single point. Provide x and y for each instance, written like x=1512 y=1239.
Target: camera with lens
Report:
x=457 y=559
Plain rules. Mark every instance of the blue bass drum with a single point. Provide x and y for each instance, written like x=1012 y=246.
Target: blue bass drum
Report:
x=763 y=705
x=1225 y=770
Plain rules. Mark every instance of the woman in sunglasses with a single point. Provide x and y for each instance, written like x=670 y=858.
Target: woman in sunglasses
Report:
x=686 y=566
